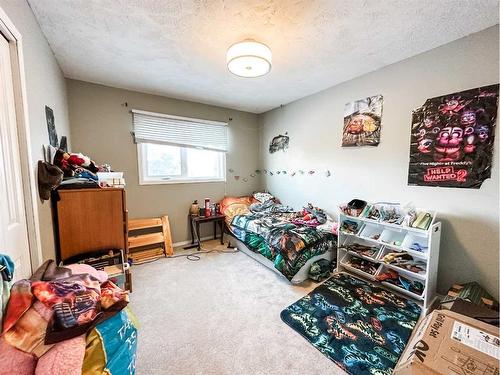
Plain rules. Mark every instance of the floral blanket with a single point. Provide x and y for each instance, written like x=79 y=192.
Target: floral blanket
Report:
x=289 y=246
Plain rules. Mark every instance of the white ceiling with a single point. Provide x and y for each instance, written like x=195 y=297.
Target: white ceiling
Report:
x=177 y=48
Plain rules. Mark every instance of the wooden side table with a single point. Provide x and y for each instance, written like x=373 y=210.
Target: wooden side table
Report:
x=195 y=222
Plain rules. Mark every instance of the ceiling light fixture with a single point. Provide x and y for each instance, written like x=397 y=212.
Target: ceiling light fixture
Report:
x=249 y=59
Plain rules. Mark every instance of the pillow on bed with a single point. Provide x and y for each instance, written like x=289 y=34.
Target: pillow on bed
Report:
x=232 y=206
x=263 y=197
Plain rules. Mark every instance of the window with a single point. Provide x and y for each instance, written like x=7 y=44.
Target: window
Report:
x=174 y=149
x=169 y=164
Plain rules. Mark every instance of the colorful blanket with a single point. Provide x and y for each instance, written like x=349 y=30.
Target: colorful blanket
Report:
x=75 y=303
x=112 y=346
x=362 y=328
x=289 y=246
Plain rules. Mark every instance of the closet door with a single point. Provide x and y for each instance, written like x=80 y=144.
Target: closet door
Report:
x=13 y=227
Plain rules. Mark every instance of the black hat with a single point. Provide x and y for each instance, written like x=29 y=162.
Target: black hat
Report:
x=49 y=177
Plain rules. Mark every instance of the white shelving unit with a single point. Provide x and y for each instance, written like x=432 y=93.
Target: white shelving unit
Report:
x=388 y=237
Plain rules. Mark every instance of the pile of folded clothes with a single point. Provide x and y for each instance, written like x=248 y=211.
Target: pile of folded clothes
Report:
x=68 y=320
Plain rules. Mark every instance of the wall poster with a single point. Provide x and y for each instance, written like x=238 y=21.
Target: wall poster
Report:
x=362 y=122
x=51 y=127
x=452 y=139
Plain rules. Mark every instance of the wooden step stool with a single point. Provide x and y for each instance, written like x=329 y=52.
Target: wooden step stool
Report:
x=139 y=245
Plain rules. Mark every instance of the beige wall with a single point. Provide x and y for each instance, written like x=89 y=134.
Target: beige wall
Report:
x=100 y=128
x=45 y=85
x=470 y=246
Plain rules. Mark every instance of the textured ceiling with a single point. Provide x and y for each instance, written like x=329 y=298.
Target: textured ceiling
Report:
x=177 y=48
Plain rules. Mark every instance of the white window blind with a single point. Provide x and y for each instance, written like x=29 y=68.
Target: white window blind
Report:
x=159 y=128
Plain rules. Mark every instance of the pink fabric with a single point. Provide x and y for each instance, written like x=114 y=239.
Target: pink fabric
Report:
x=28 y=334
x=15 y=361
x=44 y=311
x=78 y=269
x=65 y=358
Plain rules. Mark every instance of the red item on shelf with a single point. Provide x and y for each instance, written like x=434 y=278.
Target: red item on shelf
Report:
x=208 y=211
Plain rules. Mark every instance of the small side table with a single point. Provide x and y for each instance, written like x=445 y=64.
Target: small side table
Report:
x=195 y=226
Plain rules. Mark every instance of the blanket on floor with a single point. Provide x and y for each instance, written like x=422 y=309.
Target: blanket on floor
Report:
x=361 y=327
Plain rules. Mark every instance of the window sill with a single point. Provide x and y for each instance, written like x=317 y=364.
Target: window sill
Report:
x=173 y=182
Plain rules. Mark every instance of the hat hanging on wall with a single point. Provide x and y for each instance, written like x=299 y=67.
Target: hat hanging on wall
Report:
x=49 y=178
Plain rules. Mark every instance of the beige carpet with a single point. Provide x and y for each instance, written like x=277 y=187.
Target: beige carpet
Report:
x=219 y=315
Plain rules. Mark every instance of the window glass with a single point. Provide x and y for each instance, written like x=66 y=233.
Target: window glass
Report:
x=202 y=163
x=163 y=160
x=163 y=163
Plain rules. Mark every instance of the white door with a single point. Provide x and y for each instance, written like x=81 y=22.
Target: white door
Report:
x=13 y=228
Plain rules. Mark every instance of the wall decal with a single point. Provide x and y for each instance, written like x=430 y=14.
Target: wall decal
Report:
x=327 y=173
x=278 y=172
x=245 y=179
x=452 y=139
x=230 y=170
x=236 y=178
x=271 y=174
x=362 y=122
x=311 y=172
x=258 y=171
x=280 y=142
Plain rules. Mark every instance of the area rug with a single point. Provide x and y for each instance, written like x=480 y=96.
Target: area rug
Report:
x=361 y=327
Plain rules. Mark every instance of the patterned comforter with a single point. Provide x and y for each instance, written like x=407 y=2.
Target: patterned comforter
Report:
x=289 y=246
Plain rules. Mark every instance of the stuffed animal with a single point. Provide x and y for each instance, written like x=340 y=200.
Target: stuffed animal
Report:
x=69 y=163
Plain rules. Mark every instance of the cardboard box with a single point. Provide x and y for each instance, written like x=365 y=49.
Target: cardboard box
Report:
x=474 y=311
x=445 y=342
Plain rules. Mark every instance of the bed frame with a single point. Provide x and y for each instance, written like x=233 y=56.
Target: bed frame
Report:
x=299 y=277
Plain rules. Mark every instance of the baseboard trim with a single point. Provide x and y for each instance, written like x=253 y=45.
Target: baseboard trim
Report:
x=188 y=242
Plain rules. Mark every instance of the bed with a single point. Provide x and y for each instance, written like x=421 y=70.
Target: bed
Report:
x=274 y=237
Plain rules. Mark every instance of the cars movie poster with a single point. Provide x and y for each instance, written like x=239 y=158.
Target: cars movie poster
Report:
x=452 y=139
x=362 y=122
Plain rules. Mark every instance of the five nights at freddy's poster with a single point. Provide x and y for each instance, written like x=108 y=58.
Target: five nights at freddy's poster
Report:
x=452 y=139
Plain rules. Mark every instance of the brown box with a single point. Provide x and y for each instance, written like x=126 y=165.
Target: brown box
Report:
x=445 y=342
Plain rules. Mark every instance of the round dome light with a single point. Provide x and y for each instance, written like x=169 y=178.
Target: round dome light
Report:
x=249 y=59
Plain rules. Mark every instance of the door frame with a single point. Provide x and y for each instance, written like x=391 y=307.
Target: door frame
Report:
x=28 y=177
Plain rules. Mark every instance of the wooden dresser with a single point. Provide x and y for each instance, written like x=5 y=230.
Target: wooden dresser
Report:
x=90 y=220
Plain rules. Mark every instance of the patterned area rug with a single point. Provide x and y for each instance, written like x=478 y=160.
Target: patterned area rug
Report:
x=361 y=327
